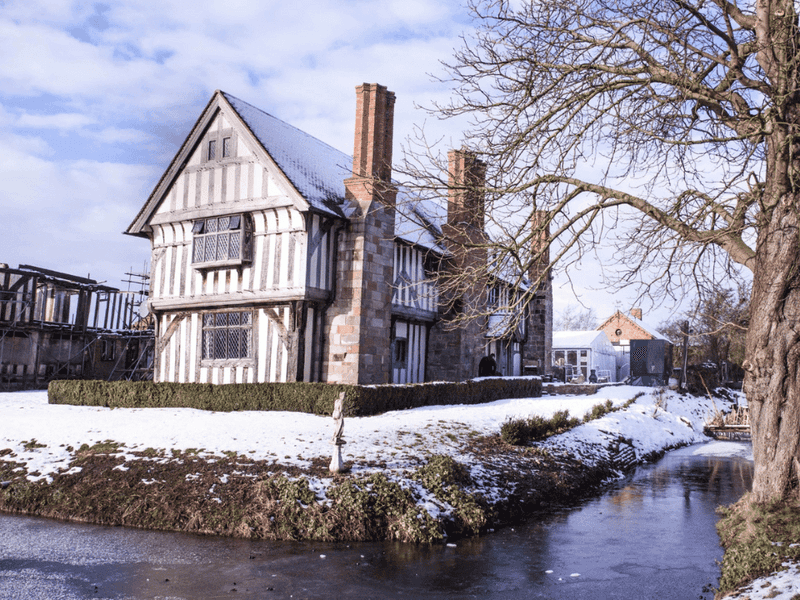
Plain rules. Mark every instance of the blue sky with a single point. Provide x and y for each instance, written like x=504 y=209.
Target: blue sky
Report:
x=95 y=99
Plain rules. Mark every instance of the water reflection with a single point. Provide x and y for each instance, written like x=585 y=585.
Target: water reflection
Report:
x=651 y=536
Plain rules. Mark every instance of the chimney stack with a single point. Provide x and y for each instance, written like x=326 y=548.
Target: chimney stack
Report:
x=466 y=179
x=636 y=313
x=372 y=154
x=540 y=230
x=359 y=320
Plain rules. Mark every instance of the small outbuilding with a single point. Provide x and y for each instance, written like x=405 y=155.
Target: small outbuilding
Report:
x=622 y=330
x=583 y=355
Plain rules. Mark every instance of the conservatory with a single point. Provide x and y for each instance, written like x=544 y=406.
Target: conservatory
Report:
x=584 y=355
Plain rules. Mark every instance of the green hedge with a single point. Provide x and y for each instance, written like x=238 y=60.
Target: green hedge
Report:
x=314 y=398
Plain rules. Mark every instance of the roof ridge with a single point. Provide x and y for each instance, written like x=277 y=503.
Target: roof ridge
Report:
x=230 y=97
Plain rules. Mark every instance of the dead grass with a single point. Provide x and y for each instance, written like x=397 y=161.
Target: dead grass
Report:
x=757 y=539
x=239 y=497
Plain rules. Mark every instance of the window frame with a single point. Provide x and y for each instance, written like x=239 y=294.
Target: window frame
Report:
x=215 y=146
x=218 y=229
x=215 y=334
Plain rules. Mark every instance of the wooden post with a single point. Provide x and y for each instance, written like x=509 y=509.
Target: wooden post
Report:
x=685 y=330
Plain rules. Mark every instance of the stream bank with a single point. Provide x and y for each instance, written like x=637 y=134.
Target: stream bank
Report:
x=423 y=475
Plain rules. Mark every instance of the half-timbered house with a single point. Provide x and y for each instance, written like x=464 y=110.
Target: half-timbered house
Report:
x=276 y=257
x=59 y=326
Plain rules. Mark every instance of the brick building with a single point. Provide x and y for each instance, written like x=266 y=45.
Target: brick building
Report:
x=275 y=257
x=622 y=328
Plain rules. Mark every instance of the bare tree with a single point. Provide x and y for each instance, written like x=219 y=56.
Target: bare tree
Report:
x=573 y=318
x=717 y=325
x=677 y=119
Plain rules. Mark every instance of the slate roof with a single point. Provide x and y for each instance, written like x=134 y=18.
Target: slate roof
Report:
x=318 y=171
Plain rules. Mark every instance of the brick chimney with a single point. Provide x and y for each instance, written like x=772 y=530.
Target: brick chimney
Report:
x=454 y=352
x=372 y=154
x=636 y=313
x=539 y=345
x=540 y=234
x=465 y=201
x=359 y=320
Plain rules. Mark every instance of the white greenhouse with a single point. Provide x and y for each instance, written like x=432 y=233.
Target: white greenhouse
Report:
x=581 y=352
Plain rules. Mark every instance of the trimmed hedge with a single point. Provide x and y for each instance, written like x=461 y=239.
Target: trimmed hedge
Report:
x=313 y=398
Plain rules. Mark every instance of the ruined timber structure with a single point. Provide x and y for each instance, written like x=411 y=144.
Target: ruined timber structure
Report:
x=59 y=326
x=276 y=257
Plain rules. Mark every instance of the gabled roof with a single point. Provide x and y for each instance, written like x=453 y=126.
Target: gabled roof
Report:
x=419 y=222
x=317 y=171
x=647 y=328
x=314 y=169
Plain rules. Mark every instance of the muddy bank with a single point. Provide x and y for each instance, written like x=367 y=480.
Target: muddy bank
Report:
x=422 y=475
x=235 y=496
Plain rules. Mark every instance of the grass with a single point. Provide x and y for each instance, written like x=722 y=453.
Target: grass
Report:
x=520 y=432
x=33 y=444
x=757 y=539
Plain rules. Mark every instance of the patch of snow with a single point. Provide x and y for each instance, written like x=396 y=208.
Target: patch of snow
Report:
x=782 y=585
x=401 y=439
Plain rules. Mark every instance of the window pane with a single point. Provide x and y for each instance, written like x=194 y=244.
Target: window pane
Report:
x=207 y=335
x=234 y=248
x=226 y=335
x=235 y=221
x=223 y=224
x=220 y=343
x=245 y=343
x=210 y=248
x=222 y=246
x=198 y=254
x=198 y=226
x=211 y=225
x=232 y=350
x=226 y=147
x=212 y=149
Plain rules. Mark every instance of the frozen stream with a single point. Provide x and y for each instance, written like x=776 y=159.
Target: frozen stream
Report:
x=651 y=535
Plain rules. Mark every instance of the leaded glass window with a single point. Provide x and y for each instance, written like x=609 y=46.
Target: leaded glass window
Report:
x=222 y=239
x=227 y=335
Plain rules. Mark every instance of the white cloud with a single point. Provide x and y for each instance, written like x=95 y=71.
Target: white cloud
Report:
x=60 y=121
x=98 y=99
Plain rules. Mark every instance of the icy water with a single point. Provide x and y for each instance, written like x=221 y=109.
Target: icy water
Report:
x=651 y=535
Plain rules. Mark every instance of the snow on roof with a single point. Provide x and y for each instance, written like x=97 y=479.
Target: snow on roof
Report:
x=647 y=327
x=419 y=221
x=318 y=171
x=576 y=339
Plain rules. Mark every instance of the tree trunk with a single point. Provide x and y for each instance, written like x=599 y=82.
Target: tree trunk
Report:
x=772 y=382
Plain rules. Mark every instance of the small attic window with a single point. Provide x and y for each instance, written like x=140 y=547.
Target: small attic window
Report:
x=226 y=147
x=212 y=149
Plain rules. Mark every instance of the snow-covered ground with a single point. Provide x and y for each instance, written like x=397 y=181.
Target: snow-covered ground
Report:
x=44 y=437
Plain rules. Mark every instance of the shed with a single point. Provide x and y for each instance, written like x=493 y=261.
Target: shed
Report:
x=578 y=353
